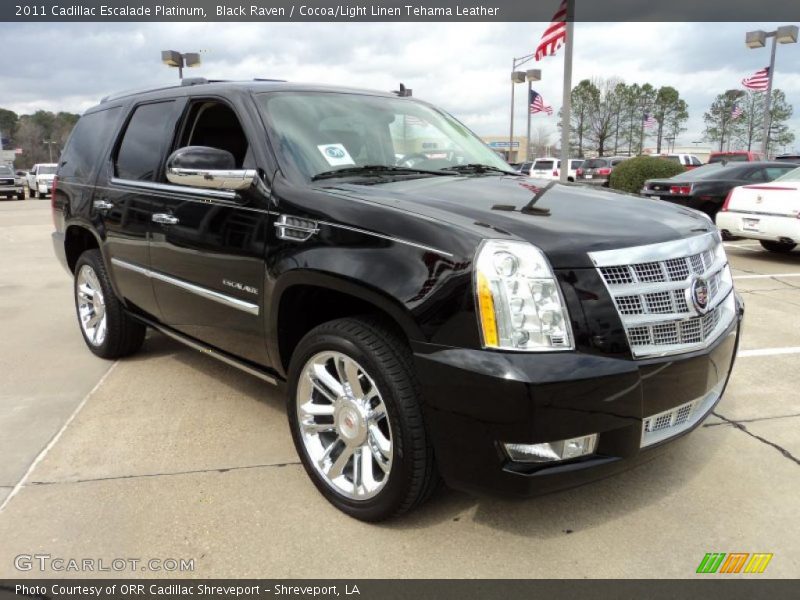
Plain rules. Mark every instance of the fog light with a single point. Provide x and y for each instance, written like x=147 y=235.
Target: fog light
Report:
x=552 y=451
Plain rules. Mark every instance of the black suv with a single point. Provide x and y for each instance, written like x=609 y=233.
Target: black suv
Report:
x=429 y=312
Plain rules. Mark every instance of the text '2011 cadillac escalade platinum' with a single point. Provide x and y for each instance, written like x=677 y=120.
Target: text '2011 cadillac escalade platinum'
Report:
x=429 y=312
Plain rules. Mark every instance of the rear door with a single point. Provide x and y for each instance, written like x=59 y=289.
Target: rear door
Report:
x=208 y=246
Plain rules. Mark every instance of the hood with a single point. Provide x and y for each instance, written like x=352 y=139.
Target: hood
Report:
x=570 y=219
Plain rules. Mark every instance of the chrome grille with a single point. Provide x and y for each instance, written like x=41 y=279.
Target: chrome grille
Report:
x=664 y=425
x=652 y=289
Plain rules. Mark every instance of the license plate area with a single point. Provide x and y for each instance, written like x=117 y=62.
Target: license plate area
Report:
x=750 y=224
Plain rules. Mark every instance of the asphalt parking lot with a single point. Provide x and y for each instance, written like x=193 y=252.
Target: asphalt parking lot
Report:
x=170 y=454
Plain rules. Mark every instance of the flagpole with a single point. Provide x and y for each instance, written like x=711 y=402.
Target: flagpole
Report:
x=768 y=100
x=566 y=103
x=511 y=126
x=528 y=147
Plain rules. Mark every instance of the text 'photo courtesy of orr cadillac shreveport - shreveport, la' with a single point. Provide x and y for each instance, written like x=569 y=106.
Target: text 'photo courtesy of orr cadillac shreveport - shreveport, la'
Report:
x=294 y=273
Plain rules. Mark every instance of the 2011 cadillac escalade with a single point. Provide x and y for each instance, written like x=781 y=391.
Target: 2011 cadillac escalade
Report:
x=429 y=312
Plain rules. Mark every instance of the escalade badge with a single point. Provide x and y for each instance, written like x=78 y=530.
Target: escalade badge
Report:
x=699 y=292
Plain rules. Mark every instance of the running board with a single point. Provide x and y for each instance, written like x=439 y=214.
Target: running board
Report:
x=208 y=350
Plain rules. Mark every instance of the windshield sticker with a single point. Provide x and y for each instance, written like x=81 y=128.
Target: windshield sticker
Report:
x=336 y=154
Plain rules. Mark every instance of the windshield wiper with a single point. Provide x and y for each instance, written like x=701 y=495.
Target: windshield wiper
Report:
x=478 y=168
x=372 y=170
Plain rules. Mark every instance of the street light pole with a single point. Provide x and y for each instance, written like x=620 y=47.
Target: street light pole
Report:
x=173 y=58
x=49 y=148
x=519 y=77
x=785 y=34
x=768 y=99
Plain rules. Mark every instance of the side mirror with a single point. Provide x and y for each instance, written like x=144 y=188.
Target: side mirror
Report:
x=205 y=167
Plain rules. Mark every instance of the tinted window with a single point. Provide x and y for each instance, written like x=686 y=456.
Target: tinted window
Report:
x=775 y=172
x=576 y=164
x=710 y=171
x=88 y=139
x=525 y=166
x=140 y=151
x=595 y=163
x=545 y=165
x=756 y=175
x=728 y=158
x=793 y=175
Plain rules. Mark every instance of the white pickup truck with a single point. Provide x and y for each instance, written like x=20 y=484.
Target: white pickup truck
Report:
x=40 y=179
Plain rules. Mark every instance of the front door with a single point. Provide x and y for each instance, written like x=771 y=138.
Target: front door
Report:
x=208 y=247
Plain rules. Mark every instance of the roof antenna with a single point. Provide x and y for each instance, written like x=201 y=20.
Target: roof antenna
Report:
x=403 y=92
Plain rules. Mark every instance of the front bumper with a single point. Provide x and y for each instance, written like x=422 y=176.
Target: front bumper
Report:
x=476 y=400
x=10 y=189
x=767 y=227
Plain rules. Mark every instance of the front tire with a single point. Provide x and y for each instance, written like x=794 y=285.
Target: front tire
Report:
x=356 y=420
x=107 y=329
x=33 y=193
x=778 y=247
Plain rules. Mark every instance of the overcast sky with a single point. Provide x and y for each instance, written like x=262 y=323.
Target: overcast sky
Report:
x=462 y=67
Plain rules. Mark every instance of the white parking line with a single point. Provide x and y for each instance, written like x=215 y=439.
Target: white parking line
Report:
x=766 y=276
x=769 y=351
x=55 y=438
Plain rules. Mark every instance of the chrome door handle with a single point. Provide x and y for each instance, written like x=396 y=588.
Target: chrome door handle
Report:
x=165 y=219
x=103 y=205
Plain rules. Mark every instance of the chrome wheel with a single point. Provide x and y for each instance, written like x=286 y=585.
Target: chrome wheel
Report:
x=344 y=425
x=91 y=306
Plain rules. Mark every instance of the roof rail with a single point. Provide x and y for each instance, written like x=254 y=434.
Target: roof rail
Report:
x=265 y=79
x=194 y=80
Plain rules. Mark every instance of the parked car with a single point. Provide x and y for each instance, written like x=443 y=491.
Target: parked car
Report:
x=735 y=156
x=40 y=179
x=596 y=171
x=767 y=212
x=688 y=161
x=10 y=184
x=442 y=318
x=524 y=168
x=549 y=168
x=795 y=158
x=706 y=187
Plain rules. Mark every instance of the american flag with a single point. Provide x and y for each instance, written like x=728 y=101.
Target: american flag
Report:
x=758 y=81
x=649 y=120
x=555 y=35
x=736 y=112
x=537 y=104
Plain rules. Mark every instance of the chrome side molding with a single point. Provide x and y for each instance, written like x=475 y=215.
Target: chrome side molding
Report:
x=206 y=293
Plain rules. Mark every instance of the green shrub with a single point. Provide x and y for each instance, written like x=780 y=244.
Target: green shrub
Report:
x=630 y=175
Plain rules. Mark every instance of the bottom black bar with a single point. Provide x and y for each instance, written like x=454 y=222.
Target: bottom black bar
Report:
x=748 y=587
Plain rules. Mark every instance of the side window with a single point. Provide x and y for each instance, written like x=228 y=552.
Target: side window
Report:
x=89 y=138
x=214 y=124
x=756 y=175
x=139 y=153
x=775 y=172
x=696 y=161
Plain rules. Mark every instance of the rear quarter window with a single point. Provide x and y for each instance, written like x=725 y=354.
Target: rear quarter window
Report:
x=90 y=137
x=148 y=130
x=595 y=163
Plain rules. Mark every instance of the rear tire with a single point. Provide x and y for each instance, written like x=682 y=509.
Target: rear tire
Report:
x=363 y=444
x=107 y=329
x=33 y=193
x=777 y=247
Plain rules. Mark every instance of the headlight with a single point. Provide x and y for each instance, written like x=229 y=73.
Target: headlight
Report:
x=519 y=302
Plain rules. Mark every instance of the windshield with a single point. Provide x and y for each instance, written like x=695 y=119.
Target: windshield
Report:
x=793 y=175
x=5 y=171
x=47 y=170
x=319 y=132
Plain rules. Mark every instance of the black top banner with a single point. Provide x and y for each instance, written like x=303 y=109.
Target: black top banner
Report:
x=396 y=10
